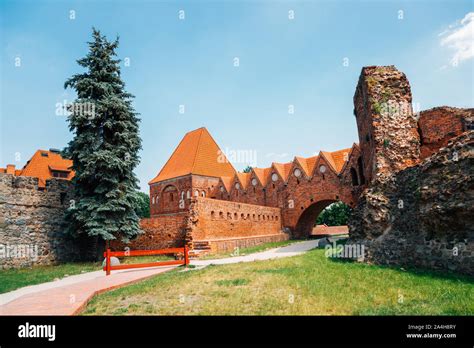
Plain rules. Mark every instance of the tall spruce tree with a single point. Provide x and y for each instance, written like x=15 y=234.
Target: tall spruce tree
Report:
x=105 y=147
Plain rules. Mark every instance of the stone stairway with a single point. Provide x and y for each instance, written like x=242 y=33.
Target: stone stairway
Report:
x=200 y=248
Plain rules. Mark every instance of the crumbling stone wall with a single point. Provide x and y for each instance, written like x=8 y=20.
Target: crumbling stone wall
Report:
x=388 y=131
x=31 y=222
x=416 y=211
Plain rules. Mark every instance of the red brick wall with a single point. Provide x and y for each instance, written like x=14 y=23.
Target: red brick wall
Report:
x=164 y=231
x=165 y=196
x=173 y=195
x=233 y=244
x=440 y=124
x=204 y=184
x=217 y=219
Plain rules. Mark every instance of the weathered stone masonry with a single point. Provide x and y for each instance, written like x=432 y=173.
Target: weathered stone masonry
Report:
x=422 y=216
x=418 y=209
x=31 y=222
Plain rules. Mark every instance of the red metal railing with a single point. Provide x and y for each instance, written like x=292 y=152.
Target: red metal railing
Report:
x=108 y=254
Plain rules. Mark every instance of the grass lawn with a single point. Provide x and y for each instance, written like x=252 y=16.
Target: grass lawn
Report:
x=308 y=284
x=249 y=250
x=11 y=279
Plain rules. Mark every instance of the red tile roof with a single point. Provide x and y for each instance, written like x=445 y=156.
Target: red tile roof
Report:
x=244 y=179
x=283 y=169
x=262 y=174
x=227 y=182
x=42 y=165
x=197 y=153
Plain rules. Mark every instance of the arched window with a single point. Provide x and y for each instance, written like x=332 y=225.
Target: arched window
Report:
x=188 y=194
x=235 y=216
x=196 y=193
x=203 y=194
x=170 y=191
x=153 y=200
x=182 y=194
x=221 y=215
x=213 y=214
x=355 y=179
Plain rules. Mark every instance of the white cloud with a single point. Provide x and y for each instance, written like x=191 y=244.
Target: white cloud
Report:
x=459 y=37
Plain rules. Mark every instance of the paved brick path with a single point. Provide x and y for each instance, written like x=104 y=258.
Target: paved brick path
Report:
x=70 y=295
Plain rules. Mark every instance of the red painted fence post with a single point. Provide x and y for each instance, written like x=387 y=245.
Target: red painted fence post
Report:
x=107 y=262
x=186 y=255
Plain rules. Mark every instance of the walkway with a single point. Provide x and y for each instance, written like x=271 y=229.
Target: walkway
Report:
x=290 y=250
x=70 y=295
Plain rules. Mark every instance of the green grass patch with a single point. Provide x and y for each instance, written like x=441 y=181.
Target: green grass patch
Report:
x=308 y=284
x=11 y=279
x=232 y=282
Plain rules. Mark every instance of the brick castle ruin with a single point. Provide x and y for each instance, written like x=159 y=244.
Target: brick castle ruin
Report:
x=409 y=180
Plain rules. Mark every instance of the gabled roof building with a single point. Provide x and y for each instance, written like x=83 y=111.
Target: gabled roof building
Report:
x=43 y=165
x=198 y=167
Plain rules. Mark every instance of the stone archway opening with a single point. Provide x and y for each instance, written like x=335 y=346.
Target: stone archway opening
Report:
x=329 y=212
x=307 y=219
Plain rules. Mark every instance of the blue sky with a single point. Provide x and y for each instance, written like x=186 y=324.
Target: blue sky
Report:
x=190 y=62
